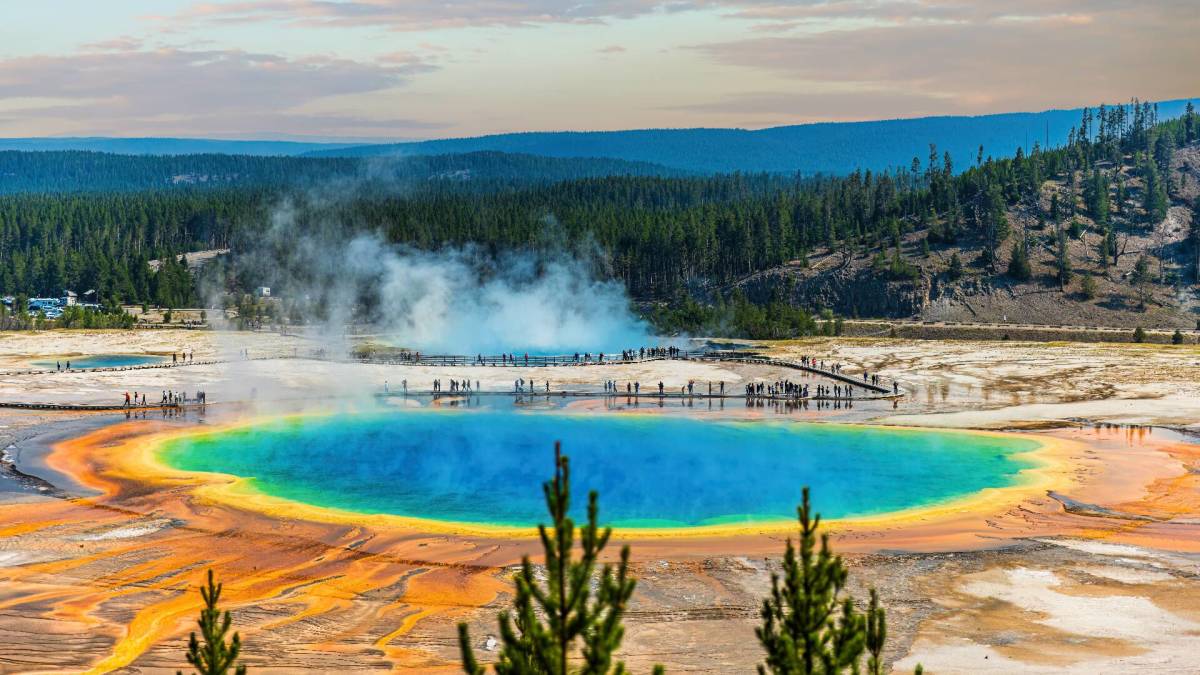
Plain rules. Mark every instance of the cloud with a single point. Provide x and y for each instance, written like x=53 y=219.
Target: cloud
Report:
x=975 y=57
x=412 y=15
x=125 y=43
x=201 y=91
x=812 y=106
x=611 y=49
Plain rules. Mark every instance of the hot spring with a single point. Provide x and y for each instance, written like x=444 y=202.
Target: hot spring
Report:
x=101 y=361
x=486 y=467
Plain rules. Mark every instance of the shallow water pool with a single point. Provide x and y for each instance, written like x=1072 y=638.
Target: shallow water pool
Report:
x=486 y=467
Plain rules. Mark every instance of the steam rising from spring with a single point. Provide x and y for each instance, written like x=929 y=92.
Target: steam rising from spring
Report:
x=464 y=300
x=459 y=301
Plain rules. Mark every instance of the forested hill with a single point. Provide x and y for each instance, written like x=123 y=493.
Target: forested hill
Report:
x=833 y=148
x=74 y=171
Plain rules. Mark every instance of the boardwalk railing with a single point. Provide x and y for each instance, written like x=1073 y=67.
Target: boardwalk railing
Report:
x=521 y=361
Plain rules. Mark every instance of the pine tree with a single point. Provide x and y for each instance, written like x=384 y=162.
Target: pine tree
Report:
x=876 y=635
x=1062 y=261
x=214 y=657
x=1193 y=238
x=1155 y=198
x=955 y=270
x=1018 y=263
x=573 y=612
x=809 y=626
x=1087 y=287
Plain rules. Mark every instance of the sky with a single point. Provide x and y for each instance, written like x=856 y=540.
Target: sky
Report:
x=400 y=69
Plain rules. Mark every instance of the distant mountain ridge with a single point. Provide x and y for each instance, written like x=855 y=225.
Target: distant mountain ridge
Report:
x=168 y=146
x=86 y=171
x=826 y=147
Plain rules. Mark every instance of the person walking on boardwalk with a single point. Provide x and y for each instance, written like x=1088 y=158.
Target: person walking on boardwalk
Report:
x=660 y=388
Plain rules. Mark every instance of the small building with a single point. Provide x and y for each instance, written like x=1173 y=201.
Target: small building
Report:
x=263 y=291
x=69 y=298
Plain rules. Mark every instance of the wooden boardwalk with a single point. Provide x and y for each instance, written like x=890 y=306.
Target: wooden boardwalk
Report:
x=879 y=391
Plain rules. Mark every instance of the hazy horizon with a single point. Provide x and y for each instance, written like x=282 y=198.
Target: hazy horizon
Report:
x=267 y=137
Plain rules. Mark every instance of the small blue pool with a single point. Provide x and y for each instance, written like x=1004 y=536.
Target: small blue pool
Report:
x=101 y=361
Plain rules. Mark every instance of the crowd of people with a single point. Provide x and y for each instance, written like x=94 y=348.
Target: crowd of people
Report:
x=780 y=389
x=168 y=399
x=836 y=369
x=456 y=386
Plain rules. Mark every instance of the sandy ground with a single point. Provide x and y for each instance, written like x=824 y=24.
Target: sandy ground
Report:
x=1099 y=577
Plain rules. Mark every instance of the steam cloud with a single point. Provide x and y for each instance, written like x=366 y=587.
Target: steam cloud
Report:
x=460 y=301
x=454 y=300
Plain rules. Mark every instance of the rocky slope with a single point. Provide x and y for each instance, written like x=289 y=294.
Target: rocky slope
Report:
x=850 y=285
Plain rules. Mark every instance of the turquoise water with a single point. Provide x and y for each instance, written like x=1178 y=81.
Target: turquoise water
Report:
x=651 y=471
x=102 y=361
